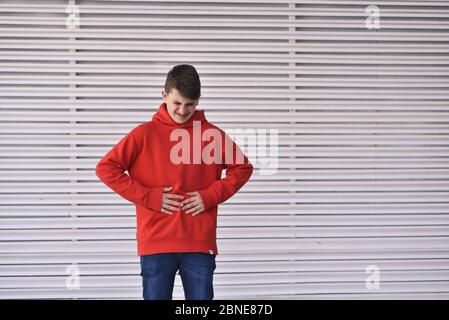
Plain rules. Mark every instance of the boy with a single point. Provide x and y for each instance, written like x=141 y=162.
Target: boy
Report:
x=174 y=165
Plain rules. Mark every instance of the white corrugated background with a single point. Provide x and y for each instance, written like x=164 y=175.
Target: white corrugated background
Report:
x=363 y=126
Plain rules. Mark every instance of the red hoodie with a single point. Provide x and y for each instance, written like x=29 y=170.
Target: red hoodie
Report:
x=145 y=153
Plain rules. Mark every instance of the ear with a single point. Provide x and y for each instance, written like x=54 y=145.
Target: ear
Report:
x=164 y=96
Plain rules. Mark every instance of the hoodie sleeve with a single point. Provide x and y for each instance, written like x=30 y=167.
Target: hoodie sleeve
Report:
x=237 y=174
x=111 y=170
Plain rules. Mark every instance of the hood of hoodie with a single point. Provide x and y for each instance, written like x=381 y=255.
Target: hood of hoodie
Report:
x=164 y=118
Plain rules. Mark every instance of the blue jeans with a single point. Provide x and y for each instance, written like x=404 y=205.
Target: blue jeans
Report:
x=195 y=268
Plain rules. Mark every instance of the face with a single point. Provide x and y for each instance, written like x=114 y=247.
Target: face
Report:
x=179 y=108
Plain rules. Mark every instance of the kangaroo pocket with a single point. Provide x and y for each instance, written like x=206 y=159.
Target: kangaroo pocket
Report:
x=200 y=228
x=161 y=226
x=181 y=226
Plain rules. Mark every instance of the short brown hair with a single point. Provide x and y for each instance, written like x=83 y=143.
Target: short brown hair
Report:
x=185 y=79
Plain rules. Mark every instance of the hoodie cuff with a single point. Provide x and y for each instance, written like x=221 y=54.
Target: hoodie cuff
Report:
x=154 y=198
x=208 y=198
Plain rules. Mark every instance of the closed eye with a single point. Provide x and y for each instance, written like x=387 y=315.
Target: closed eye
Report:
x=189 y=104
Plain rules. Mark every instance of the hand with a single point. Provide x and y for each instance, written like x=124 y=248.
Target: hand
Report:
x=194 y=203
x=168 y=204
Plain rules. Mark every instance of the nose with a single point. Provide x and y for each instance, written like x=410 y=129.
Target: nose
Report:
x=183 y=111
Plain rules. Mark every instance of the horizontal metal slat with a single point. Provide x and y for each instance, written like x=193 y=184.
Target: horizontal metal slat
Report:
x=205 y=21
x=281 y=163
x=263 y=198
x=340 y=232
x=249 y=34
x=237 y=267
x=99 y=210
x=239 y=245
x=254 y=186
x=248 y=82
x=224 y=220
x=355 y=173
x=194 y=46
x=284 y=151
x=150 y=106
x=388 y=278
x=388 y=259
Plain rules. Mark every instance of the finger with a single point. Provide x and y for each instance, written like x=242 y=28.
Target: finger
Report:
x=167 y=188
x=198 y=211
x=169 y=207
x=193 y=193
x=176 y=203
x=166 y=212
x=190 y=205
x=189 y=200
x=193 y=209
x=173 y=195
